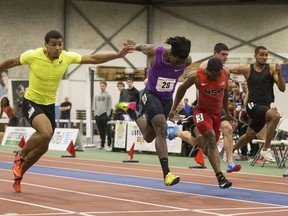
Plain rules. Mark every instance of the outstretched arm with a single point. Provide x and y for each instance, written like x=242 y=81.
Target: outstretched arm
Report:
x=147 y=49
x=102 y=58
x=241 y=69
x=192 y=79
x=10 y=62
x=277 y=76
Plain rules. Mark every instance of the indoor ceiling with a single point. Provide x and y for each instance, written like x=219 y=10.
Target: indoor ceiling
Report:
x=193 y=2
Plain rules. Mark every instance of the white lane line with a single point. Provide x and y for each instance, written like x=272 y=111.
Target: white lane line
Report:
x=102 y=196
x=37 y=205
x=254 y=210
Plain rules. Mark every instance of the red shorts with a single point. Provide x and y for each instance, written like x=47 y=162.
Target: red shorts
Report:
x=206 y=121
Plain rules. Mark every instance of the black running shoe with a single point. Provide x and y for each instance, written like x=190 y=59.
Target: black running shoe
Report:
x=185 y=121
x=224 y=183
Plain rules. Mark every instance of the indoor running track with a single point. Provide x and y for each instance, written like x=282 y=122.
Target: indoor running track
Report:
x=72 y=186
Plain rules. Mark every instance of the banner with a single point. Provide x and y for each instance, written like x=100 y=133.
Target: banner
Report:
x=134 y=135
x=120 y=134
x=13 y=135
x=60 y=139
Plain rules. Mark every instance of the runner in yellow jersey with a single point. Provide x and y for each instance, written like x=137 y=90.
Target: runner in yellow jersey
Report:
x=47 y=66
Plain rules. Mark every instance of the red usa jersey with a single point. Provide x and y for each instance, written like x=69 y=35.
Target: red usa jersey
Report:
x=211 y=92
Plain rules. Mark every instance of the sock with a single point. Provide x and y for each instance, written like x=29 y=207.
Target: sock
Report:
x=164 y=165
x=220 y=176
x=230 y=164
x=133 y=114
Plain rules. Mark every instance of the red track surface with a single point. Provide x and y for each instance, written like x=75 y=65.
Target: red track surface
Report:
x=48 y=195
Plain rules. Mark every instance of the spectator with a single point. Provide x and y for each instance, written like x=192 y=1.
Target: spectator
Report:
x=133 y=92
x=181 y=110
x=187 y=107
x=4 y=83
x=238 y=100
x=123 y=97
x=20 y=91
x=65 y=108
x=102 y=114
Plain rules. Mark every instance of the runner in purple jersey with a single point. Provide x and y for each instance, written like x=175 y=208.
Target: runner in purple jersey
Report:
x=166 y=66
x=162 y=77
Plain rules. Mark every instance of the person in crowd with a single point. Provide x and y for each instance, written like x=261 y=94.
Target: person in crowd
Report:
x=181 y=111
x=166 y=66
x=65 y=108
x=260 y=78
x=47 y=66
x=20 y=91
x=238 y=100
x=6 y=108
x=244 y=87
x=187 y=107
x=123 y=97
x=211 y=80
x=230 y=95
x=133 y=92
x=103 y=104
x=4 y=83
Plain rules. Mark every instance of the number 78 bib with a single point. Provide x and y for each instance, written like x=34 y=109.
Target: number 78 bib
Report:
x=165 y=84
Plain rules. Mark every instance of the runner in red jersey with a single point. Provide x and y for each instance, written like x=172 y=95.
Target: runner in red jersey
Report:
x=211 y=81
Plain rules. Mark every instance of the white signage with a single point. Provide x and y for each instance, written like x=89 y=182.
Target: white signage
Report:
x=60 y=140
x=120 y=134
x=134 y=135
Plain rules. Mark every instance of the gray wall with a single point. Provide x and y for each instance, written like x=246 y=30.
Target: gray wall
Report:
x=90 y=26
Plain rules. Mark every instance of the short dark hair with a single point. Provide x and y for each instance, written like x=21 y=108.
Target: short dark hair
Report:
x=130 y=79
x=220 y=46
x=121 y=83
x=53 y=34
x=258 y=48
x=180 y=46
x=214 y=65
x=103 y=82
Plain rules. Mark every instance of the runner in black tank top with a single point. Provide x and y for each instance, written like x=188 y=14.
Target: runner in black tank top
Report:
x=261 y=77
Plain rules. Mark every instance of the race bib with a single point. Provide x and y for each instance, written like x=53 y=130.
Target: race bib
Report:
x=165 y=84
x=199 y=117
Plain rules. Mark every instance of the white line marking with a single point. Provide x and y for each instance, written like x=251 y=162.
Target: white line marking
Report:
x=37 y=205
x=101 y=196
x=131 y=212
x=268 y=210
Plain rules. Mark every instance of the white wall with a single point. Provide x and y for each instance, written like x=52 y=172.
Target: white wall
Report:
x=76 y=91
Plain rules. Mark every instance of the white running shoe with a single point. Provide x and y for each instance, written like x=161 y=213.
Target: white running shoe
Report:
x=267 y=155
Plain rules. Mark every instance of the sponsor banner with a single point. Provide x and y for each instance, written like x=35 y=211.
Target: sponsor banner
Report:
x=120 y=134
x=134 y=135
x=13 y=135
x=60 y=140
